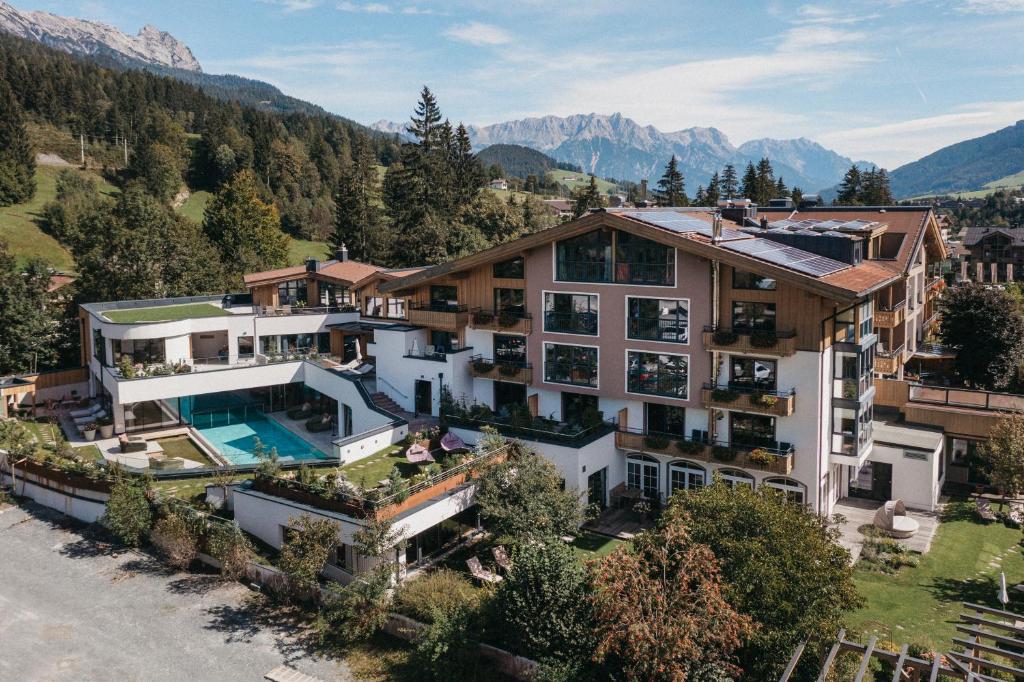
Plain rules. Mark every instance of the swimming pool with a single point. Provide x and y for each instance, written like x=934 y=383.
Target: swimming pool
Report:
x=236 y=439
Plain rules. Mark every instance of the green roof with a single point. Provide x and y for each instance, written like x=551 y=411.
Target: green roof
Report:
x=165 y=313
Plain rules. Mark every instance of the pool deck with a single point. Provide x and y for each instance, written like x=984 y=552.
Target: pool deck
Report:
x=323 y=441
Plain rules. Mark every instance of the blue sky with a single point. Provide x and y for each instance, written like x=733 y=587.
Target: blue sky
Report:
x=883 y=80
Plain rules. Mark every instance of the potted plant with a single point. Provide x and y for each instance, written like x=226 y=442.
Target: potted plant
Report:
x=655 y=441
x=766 y=400
x=89 y=431
x=507 y=318
x=482 y=366
x=508 y=369
x=761 y=457
x=106 y=427
x=689 y=447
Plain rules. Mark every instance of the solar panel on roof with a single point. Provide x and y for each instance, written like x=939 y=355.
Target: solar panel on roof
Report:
x=680 y=222
x=787 y=256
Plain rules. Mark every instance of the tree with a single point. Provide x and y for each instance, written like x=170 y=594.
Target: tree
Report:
x=874 y=188
x=765 y=185
x=128 y=514
x=543 y=605
x=176 y=535
x=359 y=218
x=446 y=651
x=467 y=172
x=781 y=565
x=672 y=186
x=797 y=195
x=714 y=192
x=660 y=610
x=306 y=550
x=245 y=229
x=729 y=181
x=584 y=199
x=986 y=328
x=27 y=318
x=16 y=443
x=749 y=189
x=849 y=188
x=522 y=498
x=158 y=168
x=780 y=188
x=17 y=160
x=1003 y=454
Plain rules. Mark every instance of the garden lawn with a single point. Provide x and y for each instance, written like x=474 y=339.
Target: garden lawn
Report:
x=589 y=545
x=921 y=605
x=195 y=206
x=301 y=249
x=182 y=446
x=90 y=452
x=189 y=488
x=166 y=313
x=377 y=466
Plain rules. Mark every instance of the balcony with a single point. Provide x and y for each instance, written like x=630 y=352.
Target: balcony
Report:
x=777 y=459
x=888 y=362
x=584 y=322
x=502 y=321
x=887 y=318
x=525 y=427
x=621 y=272
x=498 y=370
x=780 y=344
x=272 y=311
x=433 y=354
x=438 y=316
x=749 y=399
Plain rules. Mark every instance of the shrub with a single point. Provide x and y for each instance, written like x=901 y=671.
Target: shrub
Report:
x=176 y=539
x=481 y=366
x=761 y=457
x=724 y=337
x=689 y=447
x=507 y=369
x=226 y=543
x=442 y=590
x=128 y=515
x=763 y=338
x=724 y=395
x=723 y=453
x=764 y=399
x=656 y=441
x=445 y=651
x=305 y=552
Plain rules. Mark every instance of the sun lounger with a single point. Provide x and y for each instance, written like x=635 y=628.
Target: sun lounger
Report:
x=86 y=412
x=481 y=573
x=82 y=421
x=984 y=510
x=451 y=442
x=418 y=454
x=132 y=444
x=364 y=368
x=501 y=558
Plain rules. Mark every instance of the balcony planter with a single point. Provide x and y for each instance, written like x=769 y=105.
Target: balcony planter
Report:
x=106 y=428
x=507 y=318
x=482 y=317
x=761 y=457
x=654 y=442
x=765 y=400
x=723 y=454
x=689 y=447
x=508 y=369
x=763 y=339
x=482 y=366
x=724 y=395
x=725 y=337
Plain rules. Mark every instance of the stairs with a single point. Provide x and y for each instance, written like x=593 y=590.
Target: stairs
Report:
x=382 y=401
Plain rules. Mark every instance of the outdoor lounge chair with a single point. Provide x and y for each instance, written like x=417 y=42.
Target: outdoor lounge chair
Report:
x=451 y=442
x=501 y=558
x=132 y=444
x=418 y=454
x=891 y=518
x=481 y=573
x=984 y=510
x=82 y=421
x=86 y=412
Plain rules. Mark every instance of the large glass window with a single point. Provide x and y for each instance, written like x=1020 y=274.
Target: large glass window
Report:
x=396 y=308
x=292 y=293
x=574 y=365
x=741 y=279
x=581 y=409
x=144 y=351
x=508 y=396
x=373 y=306
x=852 y=373
x=734 y=477
x=753 y=373
x=586 y=258
x=510 y=300
x=334 y=295
x=657 y=374
x=571 y=313
x=99 y=346
x=753 y=316
x=845 y=326
x=642 y=475
x=793 y=490
x=658 y=319
x=865 y=314
x=642 y=261
x=443 y=342
x=509 y=269
x=444 y=298
x=752 y=430
x=509 y=348
x=666 y=420
x=685 y=476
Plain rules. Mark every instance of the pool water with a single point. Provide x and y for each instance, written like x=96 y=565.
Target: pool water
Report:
x=236 y=441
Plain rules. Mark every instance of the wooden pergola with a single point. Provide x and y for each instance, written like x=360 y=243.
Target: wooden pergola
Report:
x=992 y=641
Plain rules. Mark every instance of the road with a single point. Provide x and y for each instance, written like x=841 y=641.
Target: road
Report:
x=73 y=608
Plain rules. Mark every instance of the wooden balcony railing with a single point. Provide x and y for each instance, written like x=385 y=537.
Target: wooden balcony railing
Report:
x=777 y=460
x=748 y=399
x=502 y=321
x=781 y=344
x=447 y=318
x=887 y=318
x=487 y=368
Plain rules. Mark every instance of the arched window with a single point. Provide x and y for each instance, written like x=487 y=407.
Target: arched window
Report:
x=794 y=490
x=684 y=475
x=735 y=477
x=642 y=475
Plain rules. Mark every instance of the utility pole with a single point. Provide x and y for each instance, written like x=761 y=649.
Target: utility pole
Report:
x=81 y=140
x=125 y=140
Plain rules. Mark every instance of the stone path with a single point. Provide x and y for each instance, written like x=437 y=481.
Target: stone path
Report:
x=862 y=513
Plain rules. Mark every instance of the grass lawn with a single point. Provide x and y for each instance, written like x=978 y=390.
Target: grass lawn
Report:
x=195 y=205
x=90 y=452
x=589 y=545
x=166 y=313
x=377 y=466
x=21 y=224
x=574 y=180
x=188 y=488
x=922 y=604
x=182 y=446
x=301 y=249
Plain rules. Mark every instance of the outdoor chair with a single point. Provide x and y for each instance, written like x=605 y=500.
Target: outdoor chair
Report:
x=481 y=573
x=132 y=444
x=501 y=558
x=86 y=412
x=984 y=510
x=82 y=421
x=891 y=518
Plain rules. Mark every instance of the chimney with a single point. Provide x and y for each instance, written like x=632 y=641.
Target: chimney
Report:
x=716 y=229
x=312 y=265
x=643 y=189
x=764 y=222
x=341 y=254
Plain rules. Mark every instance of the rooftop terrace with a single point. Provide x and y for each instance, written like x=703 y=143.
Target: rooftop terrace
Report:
x=167 y=313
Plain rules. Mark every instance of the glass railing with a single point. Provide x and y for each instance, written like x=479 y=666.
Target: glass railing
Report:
x=571 y=322
x=658 y=329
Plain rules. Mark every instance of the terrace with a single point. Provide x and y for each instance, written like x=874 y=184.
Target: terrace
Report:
x=520 y=424
x=888 y=317
x=749 y=399
x=166 y=313
x=438 y=316
x=777 y=459
x=765 y=342
x=502 y=320
x=515 y=372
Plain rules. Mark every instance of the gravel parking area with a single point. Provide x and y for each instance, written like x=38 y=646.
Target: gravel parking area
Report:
x=74 y=608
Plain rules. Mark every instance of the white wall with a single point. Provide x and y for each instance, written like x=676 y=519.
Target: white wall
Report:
x=87 y=510
x=198 y=383
x=914 y=481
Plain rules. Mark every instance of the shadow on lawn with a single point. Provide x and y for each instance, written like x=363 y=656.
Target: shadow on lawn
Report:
x=982 y=590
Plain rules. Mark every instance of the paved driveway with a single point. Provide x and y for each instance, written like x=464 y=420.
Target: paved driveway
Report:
x=73 y=609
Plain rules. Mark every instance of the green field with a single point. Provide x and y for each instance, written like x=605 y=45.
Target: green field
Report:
x=922 y=604
x=165 y=313
x=195 y=205
x=20 y=224
x=573 y=180
x=1015 y=181
x=301 y=249
x=182 y=446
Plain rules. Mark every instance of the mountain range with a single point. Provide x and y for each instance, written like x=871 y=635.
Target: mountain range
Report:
x=618 y=147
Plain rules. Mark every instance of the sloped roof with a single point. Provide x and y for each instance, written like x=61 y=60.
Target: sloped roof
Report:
x=973 y=235
x=348 y=271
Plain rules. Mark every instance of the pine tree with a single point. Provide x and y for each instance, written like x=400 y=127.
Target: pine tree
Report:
x=467 y=171
x=714 y=192
x=245 y=229
x=587 y=198
x=25 y=317
x=765 y=182
x=780 y=188
x=17 y=161
x=849 y=188
x=699 y=199
x=359 y=221
x=874 y=188
x=729 y=182
x=672 y=186
x=797 y=195
x=749 y=188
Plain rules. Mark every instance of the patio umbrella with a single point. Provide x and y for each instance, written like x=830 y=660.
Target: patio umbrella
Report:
x=418 y=454
x=415 y=347
x=1004 y=598
x=359 y=352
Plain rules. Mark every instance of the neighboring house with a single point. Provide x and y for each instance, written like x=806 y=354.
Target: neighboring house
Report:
x=559 y=207
x=500 y=183
x=993 y=255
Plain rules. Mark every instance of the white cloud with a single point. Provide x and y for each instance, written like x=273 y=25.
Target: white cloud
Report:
x=478 y=33
x=991 y=6
x=292 y=5
x=368 y=8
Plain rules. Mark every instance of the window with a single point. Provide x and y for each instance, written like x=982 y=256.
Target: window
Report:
x=844 y=431
x=443 y=342
x=844 y=326
x=642 y=475
x=741 y=279
x=396 y=308
x=444 y=298
x=657 y=374
x=508 y=348
x=658 y=319
x=735 y=477
x=508 y=396
x=99 y=346
x=373 y=306
x=509 y=269
x=574 y=365
x=667 y=420
x=751 y=316
x=245 y=347
x=571 y=313
x=269 y=344
x=586 y=258
x=334 y=295
x=580 y=409
x=685 y=476
x=852 y=373
x=642 y=261
x=752 y=430
x=292 y=293
x=793 y=490
x=511 y=300
x=865 y=312
x=753 y=373
x=144 y=351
